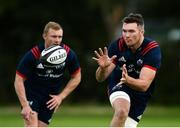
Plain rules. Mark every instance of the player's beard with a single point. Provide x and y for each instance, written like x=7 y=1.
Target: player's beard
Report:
x=134 y=44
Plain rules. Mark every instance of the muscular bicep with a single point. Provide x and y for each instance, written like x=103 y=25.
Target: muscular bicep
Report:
x=147 y=75
x=19 y=79
x=77 y=76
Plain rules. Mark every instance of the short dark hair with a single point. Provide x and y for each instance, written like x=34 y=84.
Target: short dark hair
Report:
x=134 y=18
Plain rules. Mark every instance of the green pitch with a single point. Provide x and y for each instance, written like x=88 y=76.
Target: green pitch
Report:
x=94 y=116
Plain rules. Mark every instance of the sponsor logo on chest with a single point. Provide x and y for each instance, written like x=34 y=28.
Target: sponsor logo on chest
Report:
x=131 y=67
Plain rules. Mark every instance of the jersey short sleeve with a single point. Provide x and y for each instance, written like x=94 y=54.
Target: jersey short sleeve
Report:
x=153 y=58
x=25 y=65
x=73 y=65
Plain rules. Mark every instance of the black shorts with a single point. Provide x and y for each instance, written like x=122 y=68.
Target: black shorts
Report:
x=39 y=105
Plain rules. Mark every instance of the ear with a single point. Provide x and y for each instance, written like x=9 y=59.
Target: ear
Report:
x=143 y=31
x=44 y=36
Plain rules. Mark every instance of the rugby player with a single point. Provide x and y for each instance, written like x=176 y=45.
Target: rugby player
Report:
x=130 y=64
x=39 y=87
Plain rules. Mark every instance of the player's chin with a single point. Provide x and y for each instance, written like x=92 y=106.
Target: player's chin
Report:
x=129 y=44
x=53 y=43
x=56 y=43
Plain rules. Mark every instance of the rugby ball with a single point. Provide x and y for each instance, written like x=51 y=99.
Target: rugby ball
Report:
x=53 y=55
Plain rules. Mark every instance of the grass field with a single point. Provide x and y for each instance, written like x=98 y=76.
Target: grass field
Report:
x=94 y=116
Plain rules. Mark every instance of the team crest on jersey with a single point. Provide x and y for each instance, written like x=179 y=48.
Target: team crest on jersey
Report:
x=140 y=62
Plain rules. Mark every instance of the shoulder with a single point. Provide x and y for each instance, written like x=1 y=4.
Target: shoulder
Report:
x=70 y=52
x=36 y=50
x=149 y=45
x=151 y=53
x=118 y=44
x=30 y=56
x=66 y=47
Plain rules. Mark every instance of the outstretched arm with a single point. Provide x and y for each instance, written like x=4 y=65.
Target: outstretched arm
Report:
x=105 y=63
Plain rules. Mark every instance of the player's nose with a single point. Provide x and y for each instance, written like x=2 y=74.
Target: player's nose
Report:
x=57 y=41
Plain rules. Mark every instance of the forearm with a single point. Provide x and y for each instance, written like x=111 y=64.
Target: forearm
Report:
x=138 y=84
x=20 y=91
x=101 y=74
x=71 y=85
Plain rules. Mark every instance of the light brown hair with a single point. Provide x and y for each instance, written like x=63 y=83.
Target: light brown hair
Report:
x=52 y=25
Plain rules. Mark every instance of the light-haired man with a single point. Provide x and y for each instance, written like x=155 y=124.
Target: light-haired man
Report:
x=39 y=92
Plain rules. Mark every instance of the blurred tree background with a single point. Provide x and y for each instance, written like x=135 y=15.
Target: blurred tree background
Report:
x=88 y=25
